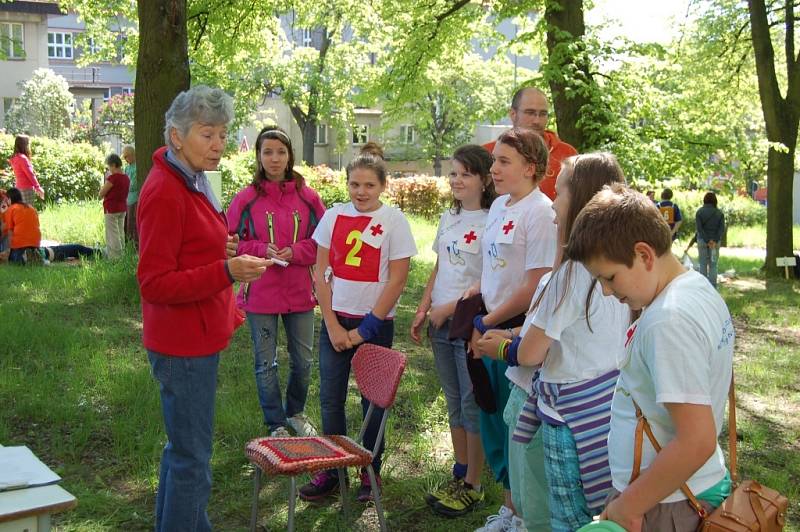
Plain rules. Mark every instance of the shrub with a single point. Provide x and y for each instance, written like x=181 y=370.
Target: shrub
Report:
x=421 y=195
x=330 y=184
x=66 y=171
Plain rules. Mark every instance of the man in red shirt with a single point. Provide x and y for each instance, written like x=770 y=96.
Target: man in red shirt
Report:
x=530 y=109
x=114 y=194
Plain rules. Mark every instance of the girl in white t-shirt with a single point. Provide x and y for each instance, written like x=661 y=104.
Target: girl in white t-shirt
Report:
x=519 y=246
x=458 y=266
x=363 y=255
x=577 y=336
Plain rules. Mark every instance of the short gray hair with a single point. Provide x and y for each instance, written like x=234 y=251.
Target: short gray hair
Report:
x=199 y=104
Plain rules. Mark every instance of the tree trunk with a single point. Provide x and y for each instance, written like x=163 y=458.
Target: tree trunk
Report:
x=781 y=117
x=437 y=165
x=566 y=55
x=162 y=71
x=309 y=137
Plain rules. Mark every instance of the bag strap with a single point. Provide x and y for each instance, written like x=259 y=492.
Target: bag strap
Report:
x=643 y=427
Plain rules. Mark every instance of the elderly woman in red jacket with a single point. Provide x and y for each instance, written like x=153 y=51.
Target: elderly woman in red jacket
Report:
x=185 y=276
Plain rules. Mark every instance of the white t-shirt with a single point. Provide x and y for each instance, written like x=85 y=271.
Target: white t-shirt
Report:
x=679 y=351
x=361 y=246
x=458 y=245
x=517 y=239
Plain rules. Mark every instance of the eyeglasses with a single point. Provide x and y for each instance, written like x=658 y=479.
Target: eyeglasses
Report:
x=534 y=112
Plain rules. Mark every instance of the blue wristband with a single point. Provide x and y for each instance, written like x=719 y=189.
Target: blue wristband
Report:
x=477 y=322
x=369 y=327
x=511 y=354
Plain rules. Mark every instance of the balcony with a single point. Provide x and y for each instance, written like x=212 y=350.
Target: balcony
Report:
x=79 y=76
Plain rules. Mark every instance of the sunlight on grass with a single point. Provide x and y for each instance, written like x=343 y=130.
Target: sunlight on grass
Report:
x=755 y=237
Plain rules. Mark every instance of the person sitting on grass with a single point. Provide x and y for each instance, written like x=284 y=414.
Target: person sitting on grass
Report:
x=677 y=367
x=21 y=224
x=59 y=253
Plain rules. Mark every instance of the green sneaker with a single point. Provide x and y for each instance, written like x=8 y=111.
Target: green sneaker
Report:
x=462 y=501
x=444 y=491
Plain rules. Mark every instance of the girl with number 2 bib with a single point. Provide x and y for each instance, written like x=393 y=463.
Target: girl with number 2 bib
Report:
x=363 y=256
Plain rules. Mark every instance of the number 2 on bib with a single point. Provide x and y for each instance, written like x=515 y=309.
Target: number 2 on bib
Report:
x=352 y=259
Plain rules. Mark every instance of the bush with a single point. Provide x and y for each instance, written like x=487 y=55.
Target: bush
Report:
x=66 y=171
x=739 y=211
x=421 y=195
x=331 y=185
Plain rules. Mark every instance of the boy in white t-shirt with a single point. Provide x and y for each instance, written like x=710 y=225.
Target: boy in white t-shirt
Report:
x=678 y=364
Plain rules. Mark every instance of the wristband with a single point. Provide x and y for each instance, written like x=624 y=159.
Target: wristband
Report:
x=512 y=351
x=501 y=349
x=369 y=327
x=477 y=322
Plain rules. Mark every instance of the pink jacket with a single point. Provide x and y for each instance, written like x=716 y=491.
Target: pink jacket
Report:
x=23 y=171
x=280 y=290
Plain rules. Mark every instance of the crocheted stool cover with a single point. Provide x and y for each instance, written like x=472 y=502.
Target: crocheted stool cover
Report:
x=293 y=456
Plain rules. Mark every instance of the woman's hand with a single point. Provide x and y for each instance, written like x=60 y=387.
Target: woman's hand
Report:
x=616 y=512
x=439 y=315
x=416 y=325
x=340 y=338
x=232 y=245
x=471 y=291
x=40 y=193
x=246 y=268
x=489 y=343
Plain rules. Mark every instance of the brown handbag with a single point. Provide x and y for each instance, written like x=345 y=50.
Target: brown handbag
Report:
x=751 y=507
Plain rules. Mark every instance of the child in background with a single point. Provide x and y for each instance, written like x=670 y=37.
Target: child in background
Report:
x=576 y=335
x=363 y=256
x=24 y=177
x=519 y=246
x=21 y=226
x=677 y=368
x=114 y=194
x=458 y=266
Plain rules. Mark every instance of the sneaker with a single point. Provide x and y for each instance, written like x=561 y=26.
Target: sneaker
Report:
x=463 y=500
x=365 y=490
x=301 y=426
x=33 y=257
x=500 y=522
x=280 y=432
x=516 y=525
x=323 y=484
x=444 y=491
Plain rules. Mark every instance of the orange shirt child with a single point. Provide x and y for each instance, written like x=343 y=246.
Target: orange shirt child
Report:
x=23 y=222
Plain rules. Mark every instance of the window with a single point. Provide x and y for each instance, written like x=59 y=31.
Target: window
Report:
x=116 y=91
x=12 y=45
x=306 y=37
x=322 y=134
x=92 y=48
x=59 y=45
x=408 y=134
x=360 y=134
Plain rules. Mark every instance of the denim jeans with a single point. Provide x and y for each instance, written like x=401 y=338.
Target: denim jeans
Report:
x=451 y=364
x=334 y=375
x=299 y=327
x=708 y=258
x=188 y=386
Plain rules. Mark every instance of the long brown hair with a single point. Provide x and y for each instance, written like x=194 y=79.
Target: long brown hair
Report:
x=275 y=133
x=585 y=175
x=22 y=144
x=477 y=161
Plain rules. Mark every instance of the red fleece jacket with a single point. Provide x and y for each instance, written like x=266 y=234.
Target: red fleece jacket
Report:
x=559 y=150
x=187 y=297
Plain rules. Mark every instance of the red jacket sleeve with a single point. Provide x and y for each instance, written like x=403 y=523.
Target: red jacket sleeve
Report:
x=161 y=219
x=304 y=252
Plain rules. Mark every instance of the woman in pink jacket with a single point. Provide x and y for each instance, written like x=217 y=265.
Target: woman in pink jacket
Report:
x=25 y=181
x=274 y=218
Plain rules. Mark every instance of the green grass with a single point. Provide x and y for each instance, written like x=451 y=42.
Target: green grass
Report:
x=755 y=237
x=76 y=388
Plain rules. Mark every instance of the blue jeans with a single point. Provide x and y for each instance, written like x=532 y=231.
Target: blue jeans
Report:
x=450 y=358
x=708 y=261
x=188 y=386
x=334 y=375
x=299 y=328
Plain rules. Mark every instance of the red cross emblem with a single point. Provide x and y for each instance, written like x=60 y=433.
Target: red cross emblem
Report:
x=469 y=237
x=376 y=230
x=508 y=227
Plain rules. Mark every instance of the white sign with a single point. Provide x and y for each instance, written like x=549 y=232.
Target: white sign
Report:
x=786 y=261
